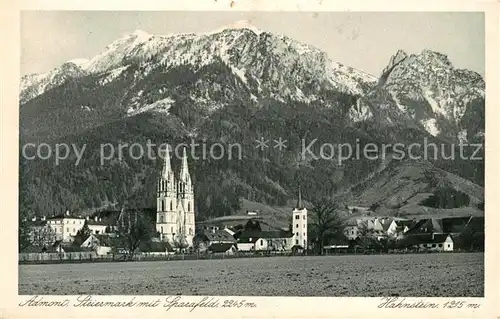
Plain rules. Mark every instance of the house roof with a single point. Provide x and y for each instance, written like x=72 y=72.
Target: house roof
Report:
x=62 y=216
x=426 y=238
x=455 y=224
x=386 y=224
x=218 y=235
x=451 y=225
x=93 y=222
x=431 y=225
x=253 y=236
x=299 y=204
x=352 y=223
x=38 y=223
x=405 y=222
x=220 y=247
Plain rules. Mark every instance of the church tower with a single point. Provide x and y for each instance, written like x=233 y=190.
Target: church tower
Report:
x=166 y=203
x=185 y=198
x=299 y=224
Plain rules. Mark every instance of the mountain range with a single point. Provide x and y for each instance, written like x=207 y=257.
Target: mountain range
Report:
x=236 y=85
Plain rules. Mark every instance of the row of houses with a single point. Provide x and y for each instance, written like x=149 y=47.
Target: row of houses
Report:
x=434 y=234
x=380 y=226
x=64 y=227
x=252 y=233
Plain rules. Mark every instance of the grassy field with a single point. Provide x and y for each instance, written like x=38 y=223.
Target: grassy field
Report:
x=456 y=274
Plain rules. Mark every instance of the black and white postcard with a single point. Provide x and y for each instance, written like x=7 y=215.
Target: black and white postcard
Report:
x=256 y=160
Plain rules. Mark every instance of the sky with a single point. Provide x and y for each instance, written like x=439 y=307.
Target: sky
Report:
x=363 y=40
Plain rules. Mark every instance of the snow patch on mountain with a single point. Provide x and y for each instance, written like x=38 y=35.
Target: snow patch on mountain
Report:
x=120 y=50
x=431 y=126
x=86 y=108
x=33 y=85
x=427 y=88
x=436 y=106
x=462 y=136
x=360 y=112
x=81 y=62
x=241 y=24
x=113 y=74
x=160 y=106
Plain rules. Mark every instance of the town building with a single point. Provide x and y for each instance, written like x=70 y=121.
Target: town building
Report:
x=214 y=240
x=403 y=226
x=389 y=226
x=430 y=242
x=175 y=205
x=299 y=224
x=266 y=241
x=101 y=244
x=65 y=226
x=257 y=235
x=370 y=226
x=96 y=225
x=351 y=230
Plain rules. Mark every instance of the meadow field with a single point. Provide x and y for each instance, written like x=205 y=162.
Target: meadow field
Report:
x=437 y=274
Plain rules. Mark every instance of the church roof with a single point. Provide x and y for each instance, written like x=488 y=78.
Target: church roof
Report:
x=299 y=204
x=166 y=169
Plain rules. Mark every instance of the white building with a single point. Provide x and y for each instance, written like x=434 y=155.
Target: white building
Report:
x=100 y=244
x=96 y=225
x=265 y=241
x=175 y=205
x=436 y=242
x=65 y=226
x=299 y=224
x=390 y=227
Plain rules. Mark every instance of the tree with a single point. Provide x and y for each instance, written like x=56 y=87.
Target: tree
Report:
x=24 y=231
x=133 y=228
x=42 y=236
x=327 y=223
x=82 y=234
x=180 y=242
x=363 y=229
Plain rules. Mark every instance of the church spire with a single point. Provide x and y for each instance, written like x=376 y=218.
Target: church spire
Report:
x=299 y=201
x=167 y=169
x=184 y=173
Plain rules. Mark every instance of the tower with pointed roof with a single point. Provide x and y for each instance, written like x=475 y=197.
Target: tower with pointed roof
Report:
x=175 y=204
x=299 y=223
x=166 y=202
x=185 y=202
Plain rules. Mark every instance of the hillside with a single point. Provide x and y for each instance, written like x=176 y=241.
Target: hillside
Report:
x=418 y=188
x=235 y=86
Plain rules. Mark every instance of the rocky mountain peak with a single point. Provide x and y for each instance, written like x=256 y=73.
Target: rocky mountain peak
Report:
x=240 y=25
x=399 y=56
x=431 y=56
x=268 y=65
x=427 y=88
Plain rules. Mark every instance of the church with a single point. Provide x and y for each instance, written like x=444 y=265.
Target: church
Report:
x=175 y=205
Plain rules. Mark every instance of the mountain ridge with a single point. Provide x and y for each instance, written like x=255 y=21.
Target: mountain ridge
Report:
x=233 y=85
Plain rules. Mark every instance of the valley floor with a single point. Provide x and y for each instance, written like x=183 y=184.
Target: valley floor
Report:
x=430 y=275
